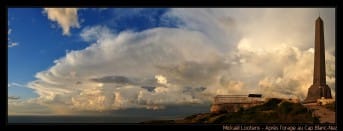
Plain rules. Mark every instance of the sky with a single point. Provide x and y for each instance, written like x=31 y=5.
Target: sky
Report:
x=164 y=61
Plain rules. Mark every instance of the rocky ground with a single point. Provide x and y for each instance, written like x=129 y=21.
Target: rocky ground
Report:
x=273 y=111
x=325 y=115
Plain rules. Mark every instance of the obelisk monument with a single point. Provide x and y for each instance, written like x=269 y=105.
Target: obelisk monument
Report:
x=319 y=88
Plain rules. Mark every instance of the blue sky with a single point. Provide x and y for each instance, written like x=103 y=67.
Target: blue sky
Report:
x=67 y=61
x=40 y=44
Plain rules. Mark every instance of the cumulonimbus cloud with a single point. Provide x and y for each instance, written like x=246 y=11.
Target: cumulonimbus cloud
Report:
x=214 y=51
x=65 y=17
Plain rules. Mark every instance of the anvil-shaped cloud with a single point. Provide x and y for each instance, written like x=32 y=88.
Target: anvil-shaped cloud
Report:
x=213 y=51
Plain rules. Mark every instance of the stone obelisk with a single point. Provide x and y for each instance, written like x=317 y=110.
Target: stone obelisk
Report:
x=319 y=88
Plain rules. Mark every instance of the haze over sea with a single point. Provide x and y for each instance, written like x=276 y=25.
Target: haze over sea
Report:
x=136 y=116
x=81 y=119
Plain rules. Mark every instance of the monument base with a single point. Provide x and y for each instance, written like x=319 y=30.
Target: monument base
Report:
x=316 y=92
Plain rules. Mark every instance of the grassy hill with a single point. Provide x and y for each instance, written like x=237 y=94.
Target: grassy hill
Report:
x=273 y=111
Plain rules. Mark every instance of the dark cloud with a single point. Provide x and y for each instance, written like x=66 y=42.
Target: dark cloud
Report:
x=78 y=83
x=189 y=89
x=13 y=97
x=123 y=80
x=149 y=88
x=193 y=73
x=113 y=79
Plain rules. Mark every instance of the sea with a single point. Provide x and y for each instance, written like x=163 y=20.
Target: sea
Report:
x=121 y=116
x=83 y=119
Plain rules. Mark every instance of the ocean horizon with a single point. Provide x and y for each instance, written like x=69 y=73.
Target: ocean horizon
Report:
x=84 y=119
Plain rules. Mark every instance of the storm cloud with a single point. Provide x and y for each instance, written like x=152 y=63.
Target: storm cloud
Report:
x=211 y=52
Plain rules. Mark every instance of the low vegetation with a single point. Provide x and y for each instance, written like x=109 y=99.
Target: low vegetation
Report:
x=273 y=111
x=331 y=106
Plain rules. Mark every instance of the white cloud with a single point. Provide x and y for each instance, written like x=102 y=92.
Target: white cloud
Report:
x=227 y=51
x=161 y=79
x=13 y=44
x=95 y=33
x=65 y=17
x=14 y=84
x=128 y=54
x=284 y=71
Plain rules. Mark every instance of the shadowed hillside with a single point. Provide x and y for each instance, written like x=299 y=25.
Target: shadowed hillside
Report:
x=273 y=111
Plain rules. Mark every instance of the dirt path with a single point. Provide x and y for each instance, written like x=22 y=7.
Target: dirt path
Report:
x=325 y=115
